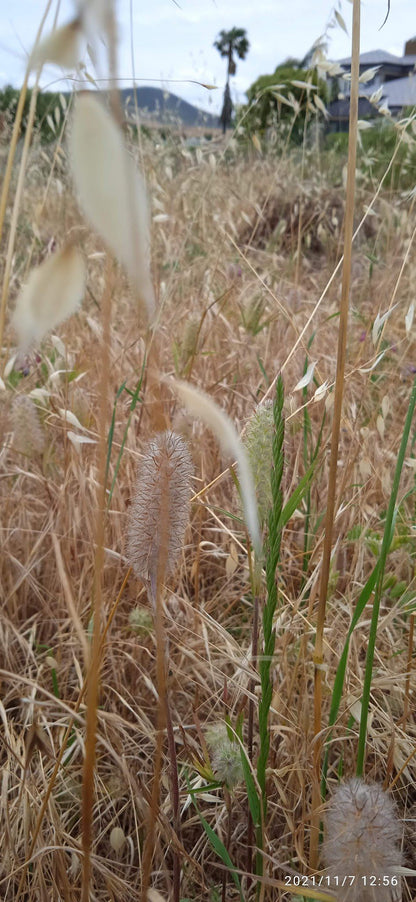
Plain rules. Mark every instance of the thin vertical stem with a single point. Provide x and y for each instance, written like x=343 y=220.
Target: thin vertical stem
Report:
x=94 y=680
x=338 y=397
x=408 y=670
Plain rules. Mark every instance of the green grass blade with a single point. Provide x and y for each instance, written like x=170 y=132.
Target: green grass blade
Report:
x=296 y=497
x=134 y=400
x=387 y=536
x=111 y=430
x=252 y=795
x=220 y=850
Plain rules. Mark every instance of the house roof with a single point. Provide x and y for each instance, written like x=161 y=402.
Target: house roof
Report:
x=378 y=57
x=400 y=92
x=340 y=109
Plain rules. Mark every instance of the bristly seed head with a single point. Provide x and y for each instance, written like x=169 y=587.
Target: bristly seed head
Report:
x=225 y=755
x=258 y=441
x=28 y=435
x=160 y=509
x=362 y=838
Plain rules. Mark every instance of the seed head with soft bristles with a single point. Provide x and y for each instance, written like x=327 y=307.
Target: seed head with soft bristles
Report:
x=362 y=839
x=28 y=435
x=225 y=755
x=160 y=509
x=258 y=440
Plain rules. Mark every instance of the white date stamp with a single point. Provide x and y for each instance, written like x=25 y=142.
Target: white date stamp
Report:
x=333 y=881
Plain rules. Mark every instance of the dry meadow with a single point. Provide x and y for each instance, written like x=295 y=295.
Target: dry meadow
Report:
x=246 y=247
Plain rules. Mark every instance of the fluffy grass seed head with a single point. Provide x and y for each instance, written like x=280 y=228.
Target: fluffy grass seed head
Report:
x=28 y=434
x=160 y=509
x=258 y=441
x=362 y=838
x=225 y=755
x=140 y=621
x=54 y=290
x=112 y=191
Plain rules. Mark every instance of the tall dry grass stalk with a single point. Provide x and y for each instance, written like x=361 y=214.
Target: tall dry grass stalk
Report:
x=318 y=657
x=157 y=523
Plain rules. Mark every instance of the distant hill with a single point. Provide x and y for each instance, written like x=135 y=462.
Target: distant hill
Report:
x=165 y=108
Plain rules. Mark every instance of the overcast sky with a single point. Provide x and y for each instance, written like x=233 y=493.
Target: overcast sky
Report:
x=172 y=41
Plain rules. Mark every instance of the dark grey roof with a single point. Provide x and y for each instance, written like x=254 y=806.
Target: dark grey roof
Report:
x=340 y=109
x=378 y=57
x=400 y=92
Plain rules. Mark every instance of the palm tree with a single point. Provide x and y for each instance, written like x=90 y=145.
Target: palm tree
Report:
x=229 y=43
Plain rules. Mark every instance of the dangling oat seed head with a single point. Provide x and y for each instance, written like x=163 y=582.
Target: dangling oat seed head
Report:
x=160 y=508
x=52 y=293
x=201 y=405
x=95 y=13
x=62 y=47
x=362 y=837
x=112 y=192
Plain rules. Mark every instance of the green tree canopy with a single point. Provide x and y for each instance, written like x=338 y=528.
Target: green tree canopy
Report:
x=285 y=95
x=232 y=42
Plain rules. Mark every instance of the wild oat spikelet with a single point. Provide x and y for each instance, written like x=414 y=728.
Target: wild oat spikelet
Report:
x=52 y=293
x=62 y=47
x=28 y=435
x=199 y=404
x=112 y=191
x=160 y=508
x=258 y=440
x=362 y=839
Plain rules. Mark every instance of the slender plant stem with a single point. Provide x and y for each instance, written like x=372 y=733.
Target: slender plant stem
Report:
x=408 y=670
x=156 y=594
x=93 y=684
x=336 y=425
x=269 y=635
x=174 y=788
x=250 y=730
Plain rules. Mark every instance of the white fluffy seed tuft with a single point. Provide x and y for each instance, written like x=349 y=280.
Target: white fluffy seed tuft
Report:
x=362 y=838
x=52 y=293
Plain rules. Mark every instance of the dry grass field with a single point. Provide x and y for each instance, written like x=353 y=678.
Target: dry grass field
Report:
x=245 y=254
